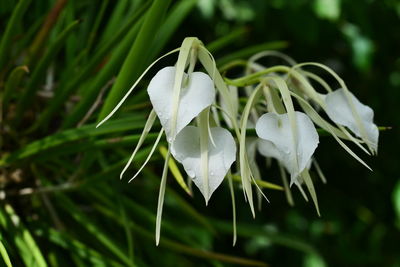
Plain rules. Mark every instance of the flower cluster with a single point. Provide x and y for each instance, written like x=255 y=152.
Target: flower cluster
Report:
x=207 y=129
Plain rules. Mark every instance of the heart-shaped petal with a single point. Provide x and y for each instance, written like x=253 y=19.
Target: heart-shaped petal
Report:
x=339 y=111
x=197 y=93
x=276 y=140
x=186 y=150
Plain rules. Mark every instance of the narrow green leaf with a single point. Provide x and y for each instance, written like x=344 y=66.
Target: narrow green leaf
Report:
x=73 y=245
x=25 y=100
x=174 y=19
x=12 y=83
x=4 y=254
x=11 y=29
x=94 y=29
x=136 y=60
x=29 y=250
x=92 y=228
x=118 y=45
x=48 y=24
x=226 y=39
x=184 y=249
x=69 y=136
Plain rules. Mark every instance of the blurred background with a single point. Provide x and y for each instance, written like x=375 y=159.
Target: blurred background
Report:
x=64 y=63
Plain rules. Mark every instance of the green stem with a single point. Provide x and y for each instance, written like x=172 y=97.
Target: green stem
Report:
x=255 y=77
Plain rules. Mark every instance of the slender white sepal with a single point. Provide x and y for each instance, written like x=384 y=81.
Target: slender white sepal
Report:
x=186 y=150
x=339 y=111
x=276 y=140
x=197 y=94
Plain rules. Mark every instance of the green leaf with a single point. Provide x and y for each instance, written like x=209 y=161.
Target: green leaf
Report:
x=4 y=254
x=92 y=228
x=137 y=58
x=14 y=80
x=11 y=29
x=28 y=249
x=25 y=100
x=39 y=146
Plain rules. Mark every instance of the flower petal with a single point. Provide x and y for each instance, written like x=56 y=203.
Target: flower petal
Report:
x=339 y=111
x=277 y=140
x=198 y=94
x=186 y=150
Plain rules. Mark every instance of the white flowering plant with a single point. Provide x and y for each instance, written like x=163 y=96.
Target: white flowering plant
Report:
x=215 y=126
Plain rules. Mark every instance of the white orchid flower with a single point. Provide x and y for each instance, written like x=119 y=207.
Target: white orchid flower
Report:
x=196 y=95
x=276 y=140
x=360 y=121
x=187 y=150
x=178 y=98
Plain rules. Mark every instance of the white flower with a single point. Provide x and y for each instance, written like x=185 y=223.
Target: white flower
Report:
x=277 y=141
x=197 y=94
x=338 y=108
x=186 y=149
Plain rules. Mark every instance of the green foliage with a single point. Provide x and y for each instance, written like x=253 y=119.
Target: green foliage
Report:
x=61 y=202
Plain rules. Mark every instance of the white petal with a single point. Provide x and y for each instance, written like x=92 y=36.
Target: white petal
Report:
x=277 y=140
x=195 y=96
x=339 y=111
x=186 y=150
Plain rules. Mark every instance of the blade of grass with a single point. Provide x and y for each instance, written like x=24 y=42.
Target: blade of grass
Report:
x=50 y=21
x=93 y=31
x=181 y=248
x=119 y=45
x=138 y=213
x=40 y=71
x=137 y=57
x=174 y=19
x=92 y=90
x=11 y=29
x=12 y=83
x=71 y=135
x=92 y=228
x=4 y=254
x=117 y=17
x=74 y=246
x=226 y=39
x=29 y=251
